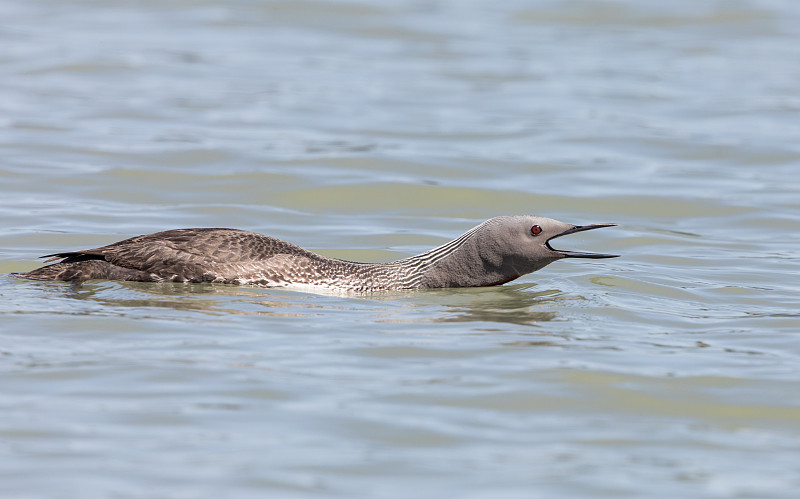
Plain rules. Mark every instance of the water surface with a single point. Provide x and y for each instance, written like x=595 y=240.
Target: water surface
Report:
x=373 y=131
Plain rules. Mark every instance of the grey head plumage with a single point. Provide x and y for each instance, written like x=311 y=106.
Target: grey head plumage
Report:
x=500 y=250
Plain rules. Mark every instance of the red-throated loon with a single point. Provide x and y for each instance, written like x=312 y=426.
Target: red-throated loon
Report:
x=495 y=252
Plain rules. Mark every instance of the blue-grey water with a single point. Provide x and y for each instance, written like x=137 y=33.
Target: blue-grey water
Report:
x=371 y=131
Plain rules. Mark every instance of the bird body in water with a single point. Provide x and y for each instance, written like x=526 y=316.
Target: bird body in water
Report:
x=495 y=252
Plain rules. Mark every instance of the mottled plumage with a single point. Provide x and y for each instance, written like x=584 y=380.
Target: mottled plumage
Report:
x=496 y=251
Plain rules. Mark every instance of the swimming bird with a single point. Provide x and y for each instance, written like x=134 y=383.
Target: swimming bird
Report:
x=495 y=252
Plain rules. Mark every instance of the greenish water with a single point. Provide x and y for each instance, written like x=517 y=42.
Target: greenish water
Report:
x=376 y=130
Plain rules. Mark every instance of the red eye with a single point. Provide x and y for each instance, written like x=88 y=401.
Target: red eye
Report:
x=536 y=230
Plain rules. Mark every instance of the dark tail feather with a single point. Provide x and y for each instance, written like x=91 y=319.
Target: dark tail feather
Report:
x=74 y=254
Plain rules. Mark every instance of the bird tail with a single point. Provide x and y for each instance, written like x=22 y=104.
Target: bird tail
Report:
x=62 y=271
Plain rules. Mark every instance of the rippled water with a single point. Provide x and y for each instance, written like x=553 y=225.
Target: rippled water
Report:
x=376 y=130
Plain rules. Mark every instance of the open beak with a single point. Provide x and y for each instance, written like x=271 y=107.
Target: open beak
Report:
x=580 y=254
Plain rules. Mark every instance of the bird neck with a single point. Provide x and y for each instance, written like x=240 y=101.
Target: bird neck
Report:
x=461 y=262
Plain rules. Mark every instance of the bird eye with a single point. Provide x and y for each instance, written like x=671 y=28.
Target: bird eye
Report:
x=536 y=230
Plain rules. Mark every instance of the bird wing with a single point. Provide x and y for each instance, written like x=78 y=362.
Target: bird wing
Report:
x=196 y=254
